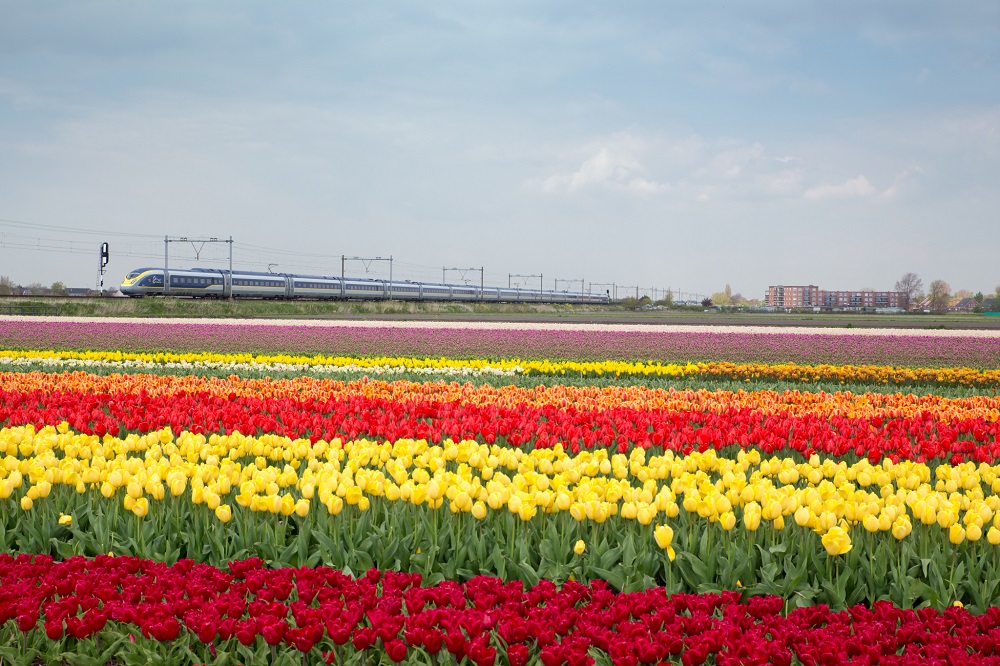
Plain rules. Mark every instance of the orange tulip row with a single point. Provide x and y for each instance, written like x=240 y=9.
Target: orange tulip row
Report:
x=577 y=398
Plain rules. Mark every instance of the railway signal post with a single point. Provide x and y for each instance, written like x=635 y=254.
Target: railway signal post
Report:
x=102 y=264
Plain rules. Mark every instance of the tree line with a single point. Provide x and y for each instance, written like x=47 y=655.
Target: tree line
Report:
x=9 y=288
x=938 y=296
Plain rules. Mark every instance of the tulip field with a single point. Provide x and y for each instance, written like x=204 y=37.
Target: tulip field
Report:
x=358 y=493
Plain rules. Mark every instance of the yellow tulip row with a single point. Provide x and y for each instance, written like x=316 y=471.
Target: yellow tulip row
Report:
x=388 y=364
x=279 y=475
x=352 y=363
x=129 y=361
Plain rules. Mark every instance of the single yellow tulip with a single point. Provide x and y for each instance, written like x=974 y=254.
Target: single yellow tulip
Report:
x=836 y=541
x=664 y=535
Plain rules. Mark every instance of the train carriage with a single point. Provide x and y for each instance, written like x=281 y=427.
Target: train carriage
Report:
x=218 y=283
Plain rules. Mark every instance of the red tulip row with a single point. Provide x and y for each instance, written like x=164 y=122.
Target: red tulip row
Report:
x=921 y=436
x=324 y=612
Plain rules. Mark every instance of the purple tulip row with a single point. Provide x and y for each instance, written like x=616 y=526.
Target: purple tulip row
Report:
x=583 y=345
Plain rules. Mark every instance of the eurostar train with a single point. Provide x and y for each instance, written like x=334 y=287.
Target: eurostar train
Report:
x=218 y=283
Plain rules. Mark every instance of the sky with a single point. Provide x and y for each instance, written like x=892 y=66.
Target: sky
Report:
x=681 y=145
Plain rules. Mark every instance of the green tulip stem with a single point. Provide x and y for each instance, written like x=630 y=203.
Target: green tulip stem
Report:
x=174 y=517
x=142 y=540
x=951 y=574
x=434 y=535
x=899 y=565
x=870 y=545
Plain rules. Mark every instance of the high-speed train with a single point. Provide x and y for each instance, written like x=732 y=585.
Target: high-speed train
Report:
x=218 y=283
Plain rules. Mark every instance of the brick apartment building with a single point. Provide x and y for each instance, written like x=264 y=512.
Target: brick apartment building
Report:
x=782 y=296
x=811 y=296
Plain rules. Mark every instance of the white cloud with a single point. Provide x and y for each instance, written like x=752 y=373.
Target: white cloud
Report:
x=849 y=189
x=689 y=167
x=861 y=188
x=611 y=167
x=891 y=191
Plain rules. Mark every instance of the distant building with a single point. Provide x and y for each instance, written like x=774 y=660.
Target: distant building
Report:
x=862 y=299
x=783 y=296
x=965 y=305
x=811 y=296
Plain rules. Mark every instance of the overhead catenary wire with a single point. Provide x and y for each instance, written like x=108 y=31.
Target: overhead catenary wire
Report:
x=147 y=248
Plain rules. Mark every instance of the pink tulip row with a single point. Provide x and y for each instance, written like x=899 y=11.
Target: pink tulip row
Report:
x=581 y=345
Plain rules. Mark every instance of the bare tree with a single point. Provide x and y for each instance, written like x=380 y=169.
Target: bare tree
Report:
x=910 y=285
x=667 y=300
x=6 y=286
x=940 y=295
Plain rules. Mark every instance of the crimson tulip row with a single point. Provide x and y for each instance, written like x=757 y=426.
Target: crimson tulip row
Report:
x=325 y=612
x=923 y=436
